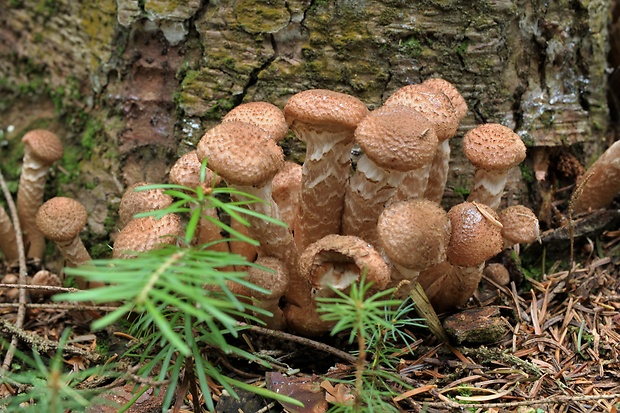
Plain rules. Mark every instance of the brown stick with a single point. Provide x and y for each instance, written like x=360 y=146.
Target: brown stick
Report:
x=21 y=311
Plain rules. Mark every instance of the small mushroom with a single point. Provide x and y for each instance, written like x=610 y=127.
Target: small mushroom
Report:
x=8 y=240
x=61 y=219
x=248 y=160
x=497 y=273
x=145 y=234
x=414 y=235
x=134 y=202
x=493 y=149
x=325 y=121
x=334 y=261
x=397 y=141
x=438 y=173
x=11 y=293
x=438 y=109
x=46 y=278
x=340 y=260
x=273 y=276
x=600 y=184
x=265 y=115
x=186 y=172
x=41 y=149
x=475 y=237
x=519 y=225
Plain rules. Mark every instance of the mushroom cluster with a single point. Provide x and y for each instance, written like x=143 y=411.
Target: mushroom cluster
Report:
x=380 y=217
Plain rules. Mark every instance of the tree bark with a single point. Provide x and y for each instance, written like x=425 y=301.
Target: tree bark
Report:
x=130 y=85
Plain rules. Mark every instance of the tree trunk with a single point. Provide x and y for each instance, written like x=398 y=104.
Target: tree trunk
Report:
x=130 y=85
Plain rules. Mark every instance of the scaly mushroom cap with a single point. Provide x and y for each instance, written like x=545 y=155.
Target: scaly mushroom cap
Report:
x=414 y=234
x=320 y=109
x=397 y=138
x=186 y=172
x=274 y=277
x=265 y=115
x=475 y=235
x=133 y=202
x=520 y=224
x=493 y=147
x=457 y=100
x=145 y=234
x=340 y=260
x=61 y=219
x=241 y=153
x=44 y=145
x=431 y=103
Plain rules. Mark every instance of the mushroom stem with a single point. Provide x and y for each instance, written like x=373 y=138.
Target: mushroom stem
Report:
x=438 y=173
x=325 y=121
x=321 y=197
x=453 y=286
x=488 y=187
x=423 y=305
x=370 y=189
x=414 y=184
x=8 y=240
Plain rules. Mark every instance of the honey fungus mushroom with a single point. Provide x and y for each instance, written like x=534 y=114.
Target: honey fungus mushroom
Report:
x=600 y=184
x=475 y=237
x=145 y=234
x=438 y=109
x=61 y=219
x=397 y=141
x=325 y=121
x=41 y=149
x=493 y=149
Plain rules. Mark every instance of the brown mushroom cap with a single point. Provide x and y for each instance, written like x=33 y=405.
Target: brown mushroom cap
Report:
x=492 y=146
x=498 y=273
x=431 y=103
x=133 y=202
x=475 y=235
x=340 y=260
x=61 y=219
x=265 y=115
x=322 y=109
x=397 y=138
x=145 y=234
x=274 y=277
x=414 y=234
x=520 y=224
x=44 y=145
x=457 y=100
x=241 y=153
x=186 y=172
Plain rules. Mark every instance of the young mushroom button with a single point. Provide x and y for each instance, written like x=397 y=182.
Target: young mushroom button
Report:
x=61 y=219
x=493 y=149
x=519 y=225
x=145 y=234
